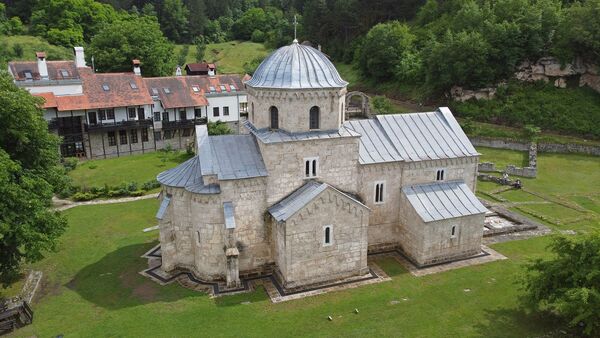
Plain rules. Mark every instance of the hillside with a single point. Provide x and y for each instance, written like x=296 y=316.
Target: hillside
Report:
x=229 y=56
x=10 y=50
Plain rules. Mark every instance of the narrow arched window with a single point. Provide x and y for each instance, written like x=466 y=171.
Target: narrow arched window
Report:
x=453 y=234
x=314 y=118
x=274 y=112
x=327 y=235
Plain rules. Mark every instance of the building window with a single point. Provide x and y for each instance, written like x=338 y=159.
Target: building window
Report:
x=182 y=115
x=186 y=132
x=123 y=136
x=195 y=89
x=197 y=113
x=105 y=87
x=225 y=111
x=156 y=116
x=165 y=116
x=379 y=192
x=167 y=90
x=133 y=136
x=311 y=165
x=144 y=135
x=112 y=141
x=216 y=111
x=314 y=118
x=133 y=85
x=327 y=235
x=244 y=107
x=131 y=113
x=141 y=113
x=439 y=175
x=157 y=136
x=110 y=114
x=101 y=115
x=274 y=113
x=453 y=232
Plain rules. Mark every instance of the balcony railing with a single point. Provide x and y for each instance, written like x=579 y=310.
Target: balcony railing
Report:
x=108 y=126
x=183 y=123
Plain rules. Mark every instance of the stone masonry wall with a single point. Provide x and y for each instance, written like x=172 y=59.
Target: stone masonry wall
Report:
x=294 y=107
x=501 y=143
x=430 y=243
x=454 y=169
x=338 y=162
x=308 y=260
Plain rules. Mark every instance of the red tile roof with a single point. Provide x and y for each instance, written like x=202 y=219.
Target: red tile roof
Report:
x=19 y=68
x=182 y=92
x=40 y=54
x=49 y=100
x=199 y=67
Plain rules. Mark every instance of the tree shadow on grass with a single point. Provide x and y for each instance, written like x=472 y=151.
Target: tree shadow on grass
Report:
x=518 y=323
x=114 y=281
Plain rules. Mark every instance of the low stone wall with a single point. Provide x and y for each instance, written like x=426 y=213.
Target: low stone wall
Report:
x=523 y=172
x=501 y=143
x=486 y=167
x=529 y=171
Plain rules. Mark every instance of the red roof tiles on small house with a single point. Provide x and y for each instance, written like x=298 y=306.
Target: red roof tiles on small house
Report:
x=49 y=100
x=57 y=70
x=200 y=67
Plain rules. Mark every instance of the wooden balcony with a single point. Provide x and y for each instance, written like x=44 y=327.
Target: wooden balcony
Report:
x=110 y=126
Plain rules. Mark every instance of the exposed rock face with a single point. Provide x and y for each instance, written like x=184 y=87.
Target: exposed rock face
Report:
x=545 y=69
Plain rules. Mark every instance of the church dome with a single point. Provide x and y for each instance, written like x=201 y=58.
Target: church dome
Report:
x=296 y=67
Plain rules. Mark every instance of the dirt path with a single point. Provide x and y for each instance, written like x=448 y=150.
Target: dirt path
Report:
x=60 y=204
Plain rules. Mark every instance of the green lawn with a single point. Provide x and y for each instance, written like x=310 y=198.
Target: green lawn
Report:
x=567 y=182
x=92 y=289
x=229 y=56
x=135 y=168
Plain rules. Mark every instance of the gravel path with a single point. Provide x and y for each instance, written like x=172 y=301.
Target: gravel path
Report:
x=60 y=204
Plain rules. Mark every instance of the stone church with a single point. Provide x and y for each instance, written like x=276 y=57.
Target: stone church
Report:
x=305 y=194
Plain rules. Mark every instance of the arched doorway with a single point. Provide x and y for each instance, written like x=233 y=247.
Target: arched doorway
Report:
x=357 y=105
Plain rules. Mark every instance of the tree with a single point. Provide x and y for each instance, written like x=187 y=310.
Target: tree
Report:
x=200 y=48
x=130 y=38
x=250 y=21
x=70 y=22
x=29 y=173
x=568 y=285
x=579 y=34
x=218 y=128
x=458 y=59
x=196 y=17
x=173 y=20
x=383 y=47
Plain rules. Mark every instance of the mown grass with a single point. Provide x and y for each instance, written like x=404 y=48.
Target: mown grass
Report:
x=567 y=182
x=92 y=288
x=134 y=168
x=229 y=56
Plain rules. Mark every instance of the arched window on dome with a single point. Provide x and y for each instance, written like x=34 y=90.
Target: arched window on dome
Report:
x=314 y=118
x=274 y=112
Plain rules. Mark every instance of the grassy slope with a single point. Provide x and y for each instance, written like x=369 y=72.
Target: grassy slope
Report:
x=113 y=171
x=93 y=289
x=229 y=56
x=32 y=44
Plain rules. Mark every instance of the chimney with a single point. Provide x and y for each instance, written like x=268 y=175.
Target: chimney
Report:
x=178 y=71
x=136 y=67
x=41 y=64
x=79 y=57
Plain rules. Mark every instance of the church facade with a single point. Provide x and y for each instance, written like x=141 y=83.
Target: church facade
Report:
x=306 y=195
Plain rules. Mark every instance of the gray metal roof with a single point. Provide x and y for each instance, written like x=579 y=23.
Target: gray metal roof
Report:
x=231 y=157
x=228 y=213
x=297 y=200
x=296 y=67
x=443 y=200
x=412 y=137
x=163 y=207
x=188 y=175
x=273 y=136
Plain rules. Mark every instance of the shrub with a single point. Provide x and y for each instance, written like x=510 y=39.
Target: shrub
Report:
x=70 y=163
x=136 y=193
x=93 y=166
x=149 y=185
x=258 y=36
x=83 y=196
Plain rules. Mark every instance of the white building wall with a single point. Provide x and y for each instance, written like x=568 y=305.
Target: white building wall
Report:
x=220 y=101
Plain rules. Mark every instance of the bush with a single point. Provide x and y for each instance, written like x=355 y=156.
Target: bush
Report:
x=258 y=36
x=70 y=163
x=93 y=166
x=136 y=193
x=83 y=196
x=153 y=184
x=382 y=105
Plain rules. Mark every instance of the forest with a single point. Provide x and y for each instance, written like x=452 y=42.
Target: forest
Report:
x=426 y=45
